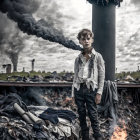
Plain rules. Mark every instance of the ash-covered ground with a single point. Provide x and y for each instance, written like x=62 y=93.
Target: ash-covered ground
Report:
x=13 y=126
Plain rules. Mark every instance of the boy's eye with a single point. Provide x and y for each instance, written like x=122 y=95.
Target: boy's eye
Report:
x=85 y=39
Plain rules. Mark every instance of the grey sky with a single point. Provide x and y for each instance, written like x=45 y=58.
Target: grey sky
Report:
x=70 y=18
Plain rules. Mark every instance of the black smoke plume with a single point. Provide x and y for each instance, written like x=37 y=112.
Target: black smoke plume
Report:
x=17 y=10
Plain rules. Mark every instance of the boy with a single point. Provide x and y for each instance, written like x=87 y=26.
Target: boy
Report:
x=89 y=74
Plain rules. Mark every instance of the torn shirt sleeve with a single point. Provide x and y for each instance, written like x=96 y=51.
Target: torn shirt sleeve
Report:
x=101 y=74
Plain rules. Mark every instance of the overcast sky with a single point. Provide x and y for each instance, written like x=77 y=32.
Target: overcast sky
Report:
x=70 y=17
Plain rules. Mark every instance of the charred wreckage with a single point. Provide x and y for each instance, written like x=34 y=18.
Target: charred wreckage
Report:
x=47 y=112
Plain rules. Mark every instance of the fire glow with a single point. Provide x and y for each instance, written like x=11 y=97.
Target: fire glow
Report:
x=120 y=132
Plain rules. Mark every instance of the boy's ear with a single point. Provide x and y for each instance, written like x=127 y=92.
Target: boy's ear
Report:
x=92 y=40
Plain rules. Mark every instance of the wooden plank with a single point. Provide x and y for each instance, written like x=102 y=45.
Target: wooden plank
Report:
x=56 y=84
x=37 y=84
x=128 y=85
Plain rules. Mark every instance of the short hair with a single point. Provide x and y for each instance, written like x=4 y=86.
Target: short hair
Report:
x=84 y=33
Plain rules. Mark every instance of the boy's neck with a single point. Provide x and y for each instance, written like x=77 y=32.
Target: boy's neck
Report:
x=87 y=51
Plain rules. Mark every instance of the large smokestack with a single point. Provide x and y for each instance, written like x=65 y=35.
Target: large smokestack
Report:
x=17 y=11
x=103 y=25
x=14 y=60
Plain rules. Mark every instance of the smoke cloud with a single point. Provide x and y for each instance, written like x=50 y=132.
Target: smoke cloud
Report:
x=13 y=47
x=136 y=2
x=11 y=40
x=18 y=11
x=52 y=15
x=133 y=39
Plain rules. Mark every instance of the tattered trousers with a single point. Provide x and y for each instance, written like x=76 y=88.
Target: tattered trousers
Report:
x=85 y=100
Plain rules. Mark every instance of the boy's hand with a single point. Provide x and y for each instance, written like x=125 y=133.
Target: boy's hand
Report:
x=98 y=98
x=71 y=99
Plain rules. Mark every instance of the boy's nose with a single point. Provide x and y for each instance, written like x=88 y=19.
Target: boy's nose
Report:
x=86 y=40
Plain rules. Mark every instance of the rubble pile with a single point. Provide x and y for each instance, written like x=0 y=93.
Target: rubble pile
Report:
x=18 y=121
x=129 y=111
x=40 y=77
x=128 y=114
x=53 y=96
x=128 y=119
x=38 y=100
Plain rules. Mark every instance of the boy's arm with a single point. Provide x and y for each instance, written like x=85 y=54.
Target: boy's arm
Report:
x=101 y=74
x=75 y=76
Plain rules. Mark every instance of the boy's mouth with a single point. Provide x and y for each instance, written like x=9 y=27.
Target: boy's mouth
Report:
x=86 y=45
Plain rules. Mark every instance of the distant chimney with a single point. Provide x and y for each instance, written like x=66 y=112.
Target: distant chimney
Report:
x=33 y=64
x=8 y=68
x=116 y=70
x=23 y=69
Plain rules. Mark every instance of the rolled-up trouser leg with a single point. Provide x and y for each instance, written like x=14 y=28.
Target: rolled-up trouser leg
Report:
x=80 y=102
x=92 y=112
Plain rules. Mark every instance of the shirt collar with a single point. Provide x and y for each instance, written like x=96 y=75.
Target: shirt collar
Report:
x=91 y=55
x=93 y=51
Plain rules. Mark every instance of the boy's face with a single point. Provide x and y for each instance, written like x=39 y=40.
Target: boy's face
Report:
x=86 y=41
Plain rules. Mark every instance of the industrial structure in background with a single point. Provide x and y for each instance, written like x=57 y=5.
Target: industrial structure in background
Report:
x=103 y=26
x=33 y=61
x=138 y=68
x=7 y=67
